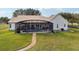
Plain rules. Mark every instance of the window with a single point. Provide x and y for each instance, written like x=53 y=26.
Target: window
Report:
x=64 y=25
x=57 y=25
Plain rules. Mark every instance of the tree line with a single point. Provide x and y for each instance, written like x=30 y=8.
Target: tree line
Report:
x=4 y=20
x=28 y=11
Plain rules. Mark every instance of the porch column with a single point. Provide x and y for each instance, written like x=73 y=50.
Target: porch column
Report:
x=30 y=25
x=39 y=26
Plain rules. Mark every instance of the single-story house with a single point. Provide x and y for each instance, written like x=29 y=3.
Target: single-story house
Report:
x=37 y=23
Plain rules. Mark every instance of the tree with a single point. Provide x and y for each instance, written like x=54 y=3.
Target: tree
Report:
x=4 y=19
x=26 y=12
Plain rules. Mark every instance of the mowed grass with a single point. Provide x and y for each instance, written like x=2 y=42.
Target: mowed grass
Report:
x=11 y=41
x=60 y=41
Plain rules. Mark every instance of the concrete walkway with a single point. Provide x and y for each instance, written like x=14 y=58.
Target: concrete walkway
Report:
x=32 y=44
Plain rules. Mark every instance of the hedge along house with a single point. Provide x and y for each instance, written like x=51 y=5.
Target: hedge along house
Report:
x=36 y=23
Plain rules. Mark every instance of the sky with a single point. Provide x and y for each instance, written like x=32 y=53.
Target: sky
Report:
x=7 y=12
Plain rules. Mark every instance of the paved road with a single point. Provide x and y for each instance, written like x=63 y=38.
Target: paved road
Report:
x=32 y=43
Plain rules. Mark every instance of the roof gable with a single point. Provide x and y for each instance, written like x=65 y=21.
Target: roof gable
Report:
x=59 y=17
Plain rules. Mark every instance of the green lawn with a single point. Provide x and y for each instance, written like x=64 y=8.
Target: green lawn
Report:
x=10 y=41
x=60 y=41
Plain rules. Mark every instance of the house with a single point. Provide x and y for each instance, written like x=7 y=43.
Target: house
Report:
x=36 y=23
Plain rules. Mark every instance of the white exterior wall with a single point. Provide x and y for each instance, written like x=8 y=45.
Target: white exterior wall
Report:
x=12 y=26
x=60 y=21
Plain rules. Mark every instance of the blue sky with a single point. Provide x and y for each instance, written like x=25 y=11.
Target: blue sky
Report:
x=7 y=12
